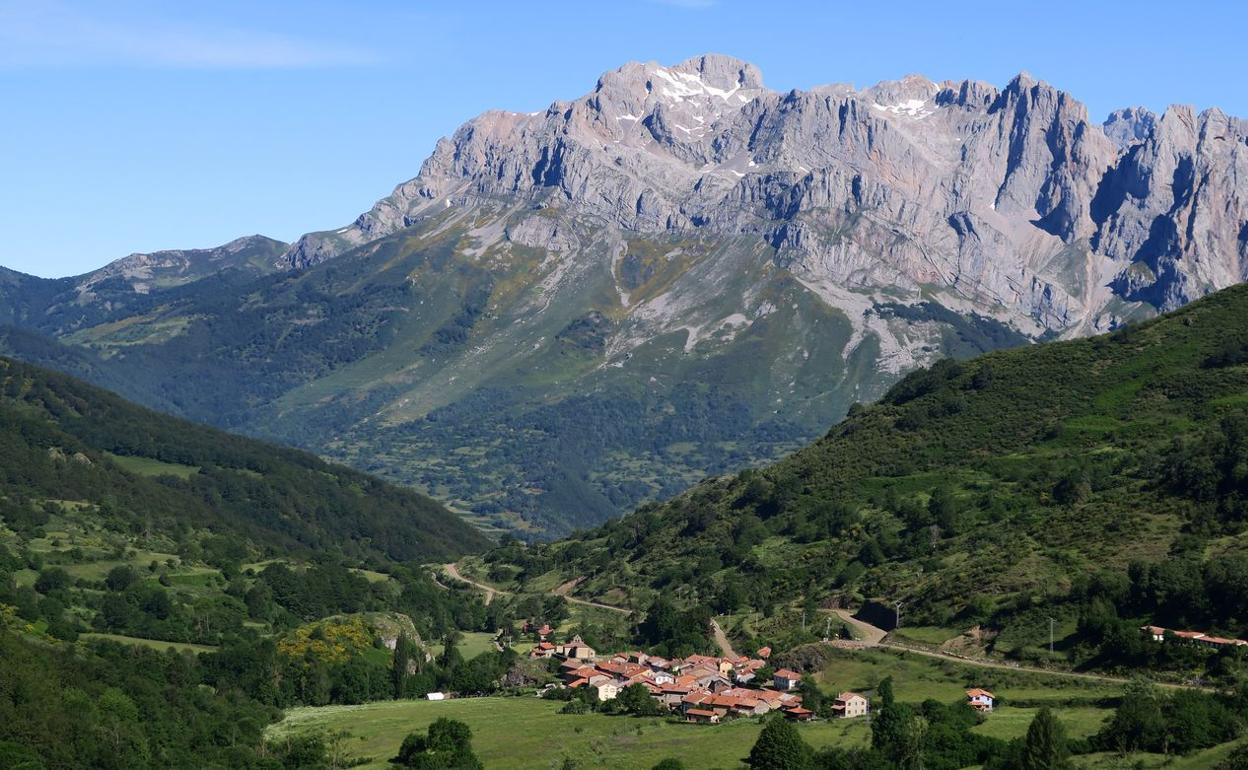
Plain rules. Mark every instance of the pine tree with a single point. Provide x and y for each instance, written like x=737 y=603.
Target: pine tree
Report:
x=399 y=668
x=812 y=696
x=1045 y=746
x=780 y=747
x=895 y=730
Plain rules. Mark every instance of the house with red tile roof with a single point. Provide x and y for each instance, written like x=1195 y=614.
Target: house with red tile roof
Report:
x=542 y=650
x=745 y=670
x=696 y=699
x=1220 y=641
x=786 y=679
x=704 y=716
x=580 y=672
x=1158 y=634
x=798 y=713
x=699 y=660
x=670 y=695
x=980 y=699
x=848 y=705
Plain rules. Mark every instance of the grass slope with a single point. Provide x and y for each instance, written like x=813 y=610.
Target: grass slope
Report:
x=529 y=734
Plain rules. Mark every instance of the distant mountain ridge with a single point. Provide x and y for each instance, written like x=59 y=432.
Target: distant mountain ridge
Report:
x=682 y=272
x=61 y=305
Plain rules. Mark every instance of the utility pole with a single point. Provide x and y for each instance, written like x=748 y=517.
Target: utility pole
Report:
x=803 y=621
x=897 y=615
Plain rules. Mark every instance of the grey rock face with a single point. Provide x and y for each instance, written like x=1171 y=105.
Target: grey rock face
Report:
x=1173 y=210
x=1003 y=200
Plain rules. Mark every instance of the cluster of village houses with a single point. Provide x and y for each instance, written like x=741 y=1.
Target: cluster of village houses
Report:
x=700 y=687
x=1197 y=638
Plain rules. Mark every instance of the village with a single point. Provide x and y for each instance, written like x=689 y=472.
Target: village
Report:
x=701 y=688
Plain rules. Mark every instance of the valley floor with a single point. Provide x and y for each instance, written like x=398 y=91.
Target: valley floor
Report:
x=529 y=733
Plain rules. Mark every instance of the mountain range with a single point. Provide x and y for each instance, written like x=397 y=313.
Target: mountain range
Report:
x=680 y=273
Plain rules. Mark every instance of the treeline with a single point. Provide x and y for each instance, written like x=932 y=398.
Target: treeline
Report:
x=262 y=671
x=145 y=602
x=937 y=736
x=117 y=707
x=1182 y=593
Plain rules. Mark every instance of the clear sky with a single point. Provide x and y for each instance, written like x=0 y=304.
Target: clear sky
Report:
x=134 y=126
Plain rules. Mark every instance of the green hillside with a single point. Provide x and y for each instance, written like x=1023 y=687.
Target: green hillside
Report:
x=166 y=588
x=73 y=451
x=1100 y=482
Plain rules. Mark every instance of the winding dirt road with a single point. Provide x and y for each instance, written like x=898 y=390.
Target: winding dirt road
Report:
x=452 y=572
x=725 y=646
x=873 y=636
x=870 y=636
x=563 y=590
x=867 y=633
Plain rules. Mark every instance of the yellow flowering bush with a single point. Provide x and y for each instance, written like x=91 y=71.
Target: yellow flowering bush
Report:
x=332 y=641
x=10 y=619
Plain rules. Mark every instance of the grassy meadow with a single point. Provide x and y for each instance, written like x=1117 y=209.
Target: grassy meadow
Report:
x=527 y=733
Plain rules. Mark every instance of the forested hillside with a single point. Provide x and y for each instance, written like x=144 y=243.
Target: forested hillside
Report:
x=72 y=449
x=1099 y=481
x=166 y=588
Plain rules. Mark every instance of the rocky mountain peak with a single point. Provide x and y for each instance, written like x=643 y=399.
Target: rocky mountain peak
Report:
x=1130 y=126
x=956 y=184
x=711 y=75
x=913 y=95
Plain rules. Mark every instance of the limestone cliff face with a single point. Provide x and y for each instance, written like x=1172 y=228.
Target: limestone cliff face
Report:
x=1007 y=200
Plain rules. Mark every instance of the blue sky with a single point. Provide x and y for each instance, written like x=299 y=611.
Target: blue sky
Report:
x=135 y=126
